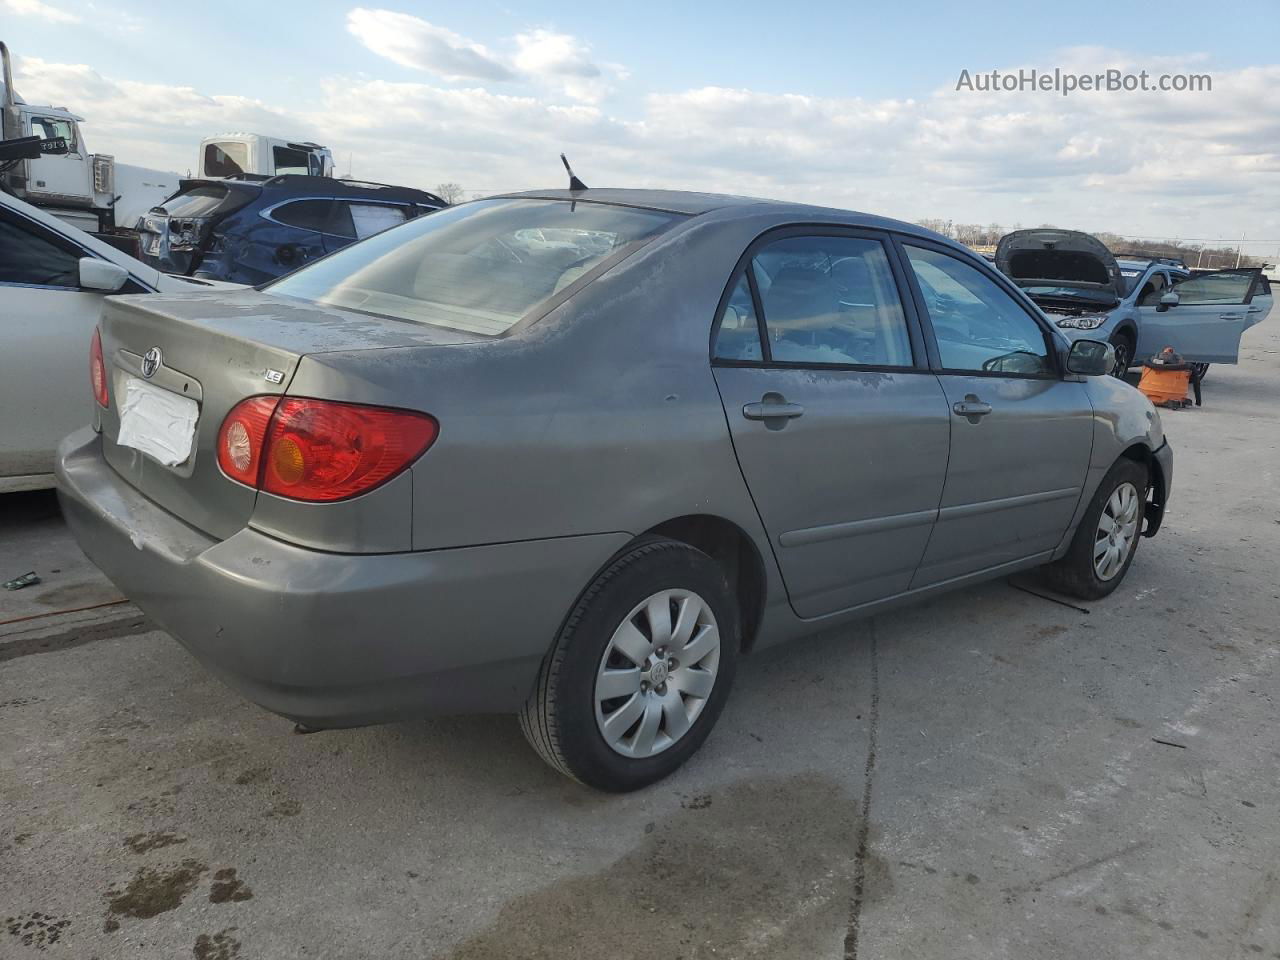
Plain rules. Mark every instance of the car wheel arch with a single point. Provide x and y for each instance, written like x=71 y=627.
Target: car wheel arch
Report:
x=1157 y=483
x=736 y=553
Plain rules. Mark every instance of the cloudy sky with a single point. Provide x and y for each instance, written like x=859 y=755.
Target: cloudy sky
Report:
x=845 y=103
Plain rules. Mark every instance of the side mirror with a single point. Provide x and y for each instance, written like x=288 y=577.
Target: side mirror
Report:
x=1091 y=358
x=102 y=275
x=1168 y=299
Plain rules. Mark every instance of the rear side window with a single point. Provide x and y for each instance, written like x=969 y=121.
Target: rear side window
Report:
x=304 y=214
x=27 y=256
x=826 y=301
x=978 y=326
x=478 y=267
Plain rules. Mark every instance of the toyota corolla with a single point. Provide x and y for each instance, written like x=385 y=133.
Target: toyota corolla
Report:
x=572 y=454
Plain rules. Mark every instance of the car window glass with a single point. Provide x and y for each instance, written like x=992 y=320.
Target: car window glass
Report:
x=1214 y=288
x=977 y=324
x=1152 y=289
x=304 y=214
x=831 y=300
x=371 y=218
x=227 y=159
x=288 y=160
x=28 y=257
x=479 y=267
x=50 y=129
x=739 y=335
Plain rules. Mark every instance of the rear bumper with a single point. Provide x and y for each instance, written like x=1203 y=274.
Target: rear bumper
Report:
x=1161 y=488
x=333 y=639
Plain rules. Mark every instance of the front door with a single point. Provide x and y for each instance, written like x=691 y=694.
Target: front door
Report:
x=47 y=324
x=840 y=429
x=1206 y=323
x=1021 y=435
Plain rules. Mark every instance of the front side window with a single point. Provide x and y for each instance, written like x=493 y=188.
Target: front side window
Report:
x=1221 y=288
x=226 y=159
x=50 y=129
x=27 y=257
x=979 y=327
x=479 y=267
x=826 y=300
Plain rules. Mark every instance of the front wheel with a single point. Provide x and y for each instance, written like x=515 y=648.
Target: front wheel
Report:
x=1123 y=347
x=640 y=670
x=1107 y=538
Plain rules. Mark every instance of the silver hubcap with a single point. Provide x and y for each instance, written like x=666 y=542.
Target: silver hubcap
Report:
x=657 y=673
x=1117 y=531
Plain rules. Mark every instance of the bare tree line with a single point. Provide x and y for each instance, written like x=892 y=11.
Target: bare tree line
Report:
x=1194 y=255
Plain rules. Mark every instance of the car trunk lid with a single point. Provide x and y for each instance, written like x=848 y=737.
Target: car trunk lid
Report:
x=1045 y=258
x=215 y=350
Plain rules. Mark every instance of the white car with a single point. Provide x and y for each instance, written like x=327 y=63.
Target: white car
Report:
x=53 y=278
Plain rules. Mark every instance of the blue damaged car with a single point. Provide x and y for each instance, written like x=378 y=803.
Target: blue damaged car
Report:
x=1139 y=306
x=254 y=229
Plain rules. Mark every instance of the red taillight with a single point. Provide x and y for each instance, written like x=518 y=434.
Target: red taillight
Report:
x=98 y=370
x=241 y=436
x=319 y=450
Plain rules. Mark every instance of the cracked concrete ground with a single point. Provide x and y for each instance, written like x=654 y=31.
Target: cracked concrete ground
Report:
x=1046 y=783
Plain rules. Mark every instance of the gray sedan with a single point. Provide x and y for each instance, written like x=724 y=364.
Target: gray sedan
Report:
x=572 y=454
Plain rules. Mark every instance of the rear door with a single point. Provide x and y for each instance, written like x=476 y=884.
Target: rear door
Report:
x=304 y=242
x=1213 y=311
x=840 y=429
x=1021 y=435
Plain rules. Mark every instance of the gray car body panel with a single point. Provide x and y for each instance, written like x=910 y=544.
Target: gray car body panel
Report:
x=559 y=443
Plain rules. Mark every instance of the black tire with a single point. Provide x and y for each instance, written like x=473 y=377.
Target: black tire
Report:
x=1199 y=371
x=1075 y=574
x=559 y=718
x=1123 y=345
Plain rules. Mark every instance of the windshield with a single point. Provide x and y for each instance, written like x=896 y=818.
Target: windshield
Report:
x=479 y=267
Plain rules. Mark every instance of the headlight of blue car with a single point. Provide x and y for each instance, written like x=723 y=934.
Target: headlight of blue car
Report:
x=1082 y=323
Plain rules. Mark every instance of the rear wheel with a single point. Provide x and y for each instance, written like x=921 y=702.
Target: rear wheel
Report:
x=640 y=670
x=1199 y=371
x=1107 y=538
x=1122 y=344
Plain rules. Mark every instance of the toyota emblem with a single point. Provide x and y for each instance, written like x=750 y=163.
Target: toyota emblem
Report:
x=152 y=361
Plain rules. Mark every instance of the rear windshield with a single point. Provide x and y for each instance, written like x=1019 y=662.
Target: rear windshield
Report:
x=479 y=267
x=196 y=202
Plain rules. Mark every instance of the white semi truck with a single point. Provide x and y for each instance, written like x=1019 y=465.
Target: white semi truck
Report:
x=93 y=192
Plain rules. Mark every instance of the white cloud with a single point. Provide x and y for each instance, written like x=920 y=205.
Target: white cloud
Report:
x=1169 y=164
x=564 y=62
x=35 y=8
x=412 y=42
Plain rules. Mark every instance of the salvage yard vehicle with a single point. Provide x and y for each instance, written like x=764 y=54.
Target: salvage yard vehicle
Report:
x=87 y=190
x=52 y=281
x=238 y=154
x=572 y=453
x=1138 y=306
x=254 y=230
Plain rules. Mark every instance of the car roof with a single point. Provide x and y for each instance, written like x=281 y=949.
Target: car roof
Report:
x=302 y=185
x=728 y=205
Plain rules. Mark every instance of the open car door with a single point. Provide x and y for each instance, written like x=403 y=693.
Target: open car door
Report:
x=1212 y=311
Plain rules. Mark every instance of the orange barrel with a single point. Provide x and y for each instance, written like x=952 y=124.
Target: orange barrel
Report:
x=1165 y=379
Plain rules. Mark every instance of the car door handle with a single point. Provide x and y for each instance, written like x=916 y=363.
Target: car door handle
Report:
x=1230 y=316
x=972 y=408
x=772 y=406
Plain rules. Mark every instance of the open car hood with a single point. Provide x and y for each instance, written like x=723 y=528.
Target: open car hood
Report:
x=1059 y=258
